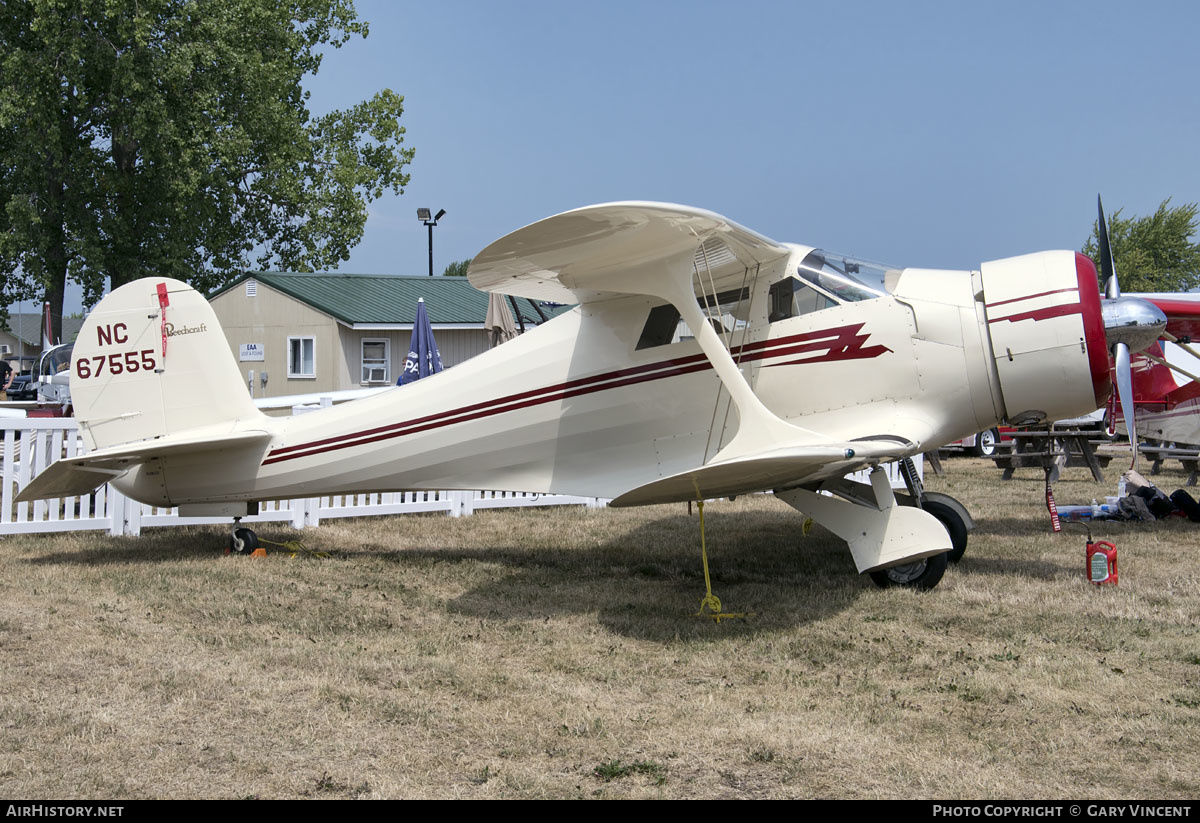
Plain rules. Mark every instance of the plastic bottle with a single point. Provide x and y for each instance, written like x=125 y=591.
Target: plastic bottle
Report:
x=1121 y=487
x=1095 y=508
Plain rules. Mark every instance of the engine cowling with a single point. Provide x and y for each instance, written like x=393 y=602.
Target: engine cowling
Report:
x=1047 y=333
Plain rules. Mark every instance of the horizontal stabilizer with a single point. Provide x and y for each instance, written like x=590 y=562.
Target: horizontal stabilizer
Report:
x=80 y=475
x=764 y=471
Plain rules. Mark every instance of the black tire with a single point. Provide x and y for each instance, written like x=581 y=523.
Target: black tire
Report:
x=955 y=527
x=249 y=541
x=921 y=574
x=985 y=443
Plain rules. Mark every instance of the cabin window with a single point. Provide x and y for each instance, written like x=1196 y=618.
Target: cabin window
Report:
x=374 y=361
x=728 y=312
x=660 y=327
x=792 y=298
x=302 y=357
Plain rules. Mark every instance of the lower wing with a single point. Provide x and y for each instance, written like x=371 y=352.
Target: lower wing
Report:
x=766 y=470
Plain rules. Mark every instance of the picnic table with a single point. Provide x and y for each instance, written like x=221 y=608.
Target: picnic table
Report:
x=1189 y=456
x=1052 y=448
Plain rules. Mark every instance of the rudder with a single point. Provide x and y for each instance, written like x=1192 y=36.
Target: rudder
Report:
x=151 y=360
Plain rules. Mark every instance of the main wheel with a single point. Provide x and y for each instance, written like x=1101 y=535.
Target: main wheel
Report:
x=985 y=443
x=955 y=527
x=921 y=574
x=248 y=538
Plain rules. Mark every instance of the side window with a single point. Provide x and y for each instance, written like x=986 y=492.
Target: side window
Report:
x=727 y=312
x=374 y=361
x=660 y=327
x=302 y=357
x=792 y=298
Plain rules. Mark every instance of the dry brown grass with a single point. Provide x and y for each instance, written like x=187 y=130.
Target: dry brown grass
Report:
x=553 y=653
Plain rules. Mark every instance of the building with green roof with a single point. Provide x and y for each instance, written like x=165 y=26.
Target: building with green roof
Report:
x=21 y=337
x=298 y=333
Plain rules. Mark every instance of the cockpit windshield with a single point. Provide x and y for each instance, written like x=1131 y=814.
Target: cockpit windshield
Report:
x=845 y=278
x=54 y=361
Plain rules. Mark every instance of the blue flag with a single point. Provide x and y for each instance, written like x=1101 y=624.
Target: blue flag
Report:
x=423 y=357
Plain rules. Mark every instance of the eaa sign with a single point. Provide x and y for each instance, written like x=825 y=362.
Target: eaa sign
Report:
x=252 y=352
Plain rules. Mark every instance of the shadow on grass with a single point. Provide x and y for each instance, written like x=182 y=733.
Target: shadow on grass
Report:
x=644 y=581
x=166 y=545
x=649 y=582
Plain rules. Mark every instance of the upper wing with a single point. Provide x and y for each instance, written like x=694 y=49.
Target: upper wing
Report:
x=569 y=257
x=765 y=470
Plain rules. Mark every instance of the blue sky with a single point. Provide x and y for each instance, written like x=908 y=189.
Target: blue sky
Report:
x=937 y=134
x=934 y=134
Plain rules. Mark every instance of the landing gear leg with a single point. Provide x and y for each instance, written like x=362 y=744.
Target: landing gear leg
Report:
x=242 y=541
x=880 y=533
x=952 y=514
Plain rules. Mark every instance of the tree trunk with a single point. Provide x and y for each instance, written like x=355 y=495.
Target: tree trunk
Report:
x=126 y=244
x=55 y=254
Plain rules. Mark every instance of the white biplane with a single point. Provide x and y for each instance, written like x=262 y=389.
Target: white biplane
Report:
x=703 y=360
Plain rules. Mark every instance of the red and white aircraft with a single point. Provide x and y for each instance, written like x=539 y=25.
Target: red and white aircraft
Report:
x=1166 y=385
x=702 y=360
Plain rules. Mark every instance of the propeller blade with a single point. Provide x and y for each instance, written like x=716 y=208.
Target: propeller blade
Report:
x=1112 y=289
x=1125 y=393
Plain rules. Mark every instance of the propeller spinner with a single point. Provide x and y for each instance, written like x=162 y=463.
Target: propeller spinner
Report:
x=1130 y=324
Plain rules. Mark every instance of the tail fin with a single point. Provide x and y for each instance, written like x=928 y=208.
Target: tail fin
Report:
x=48 y=341
x=151 y=360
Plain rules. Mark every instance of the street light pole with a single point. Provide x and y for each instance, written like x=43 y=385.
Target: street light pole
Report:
x=424 y=216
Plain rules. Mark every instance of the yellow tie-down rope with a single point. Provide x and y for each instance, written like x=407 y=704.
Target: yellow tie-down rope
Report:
x=295 y=547
x=710 y=600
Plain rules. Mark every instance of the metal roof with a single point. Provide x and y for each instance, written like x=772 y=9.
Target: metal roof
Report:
x=368 y=299
x=27 y=326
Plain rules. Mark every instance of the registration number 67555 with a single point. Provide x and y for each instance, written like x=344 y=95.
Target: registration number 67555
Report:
x=115 y=364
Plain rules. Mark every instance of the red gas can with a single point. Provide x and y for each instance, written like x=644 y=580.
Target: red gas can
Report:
x=1102 y=563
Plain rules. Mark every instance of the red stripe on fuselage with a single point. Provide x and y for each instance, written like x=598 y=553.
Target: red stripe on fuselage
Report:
x=1027 y=297
x=841 y=343
x=1041 y=314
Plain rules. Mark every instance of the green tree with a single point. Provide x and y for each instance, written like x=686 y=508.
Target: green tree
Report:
x=457 y=269
x=173 y=138
x=1155 y=253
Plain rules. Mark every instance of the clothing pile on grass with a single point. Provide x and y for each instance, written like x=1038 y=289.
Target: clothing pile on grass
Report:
x=1146 y=502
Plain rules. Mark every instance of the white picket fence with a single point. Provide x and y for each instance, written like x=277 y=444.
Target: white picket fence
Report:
x=31 y=445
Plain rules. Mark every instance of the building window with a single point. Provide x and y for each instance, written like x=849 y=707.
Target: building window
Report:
x=302 y=357
x=374 y=361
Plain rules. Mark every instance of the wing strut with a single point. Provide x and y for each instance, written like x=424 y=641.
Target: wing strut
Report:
x=758 y=427
x=746 y=294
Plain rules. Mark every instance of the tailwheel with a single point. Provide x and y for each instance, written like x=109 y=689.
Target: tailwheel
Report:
x=921 y=574
x=243 y=541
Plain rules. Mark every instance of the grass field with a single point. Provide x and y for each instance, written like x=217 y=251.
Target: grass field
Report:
x=554 y=653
